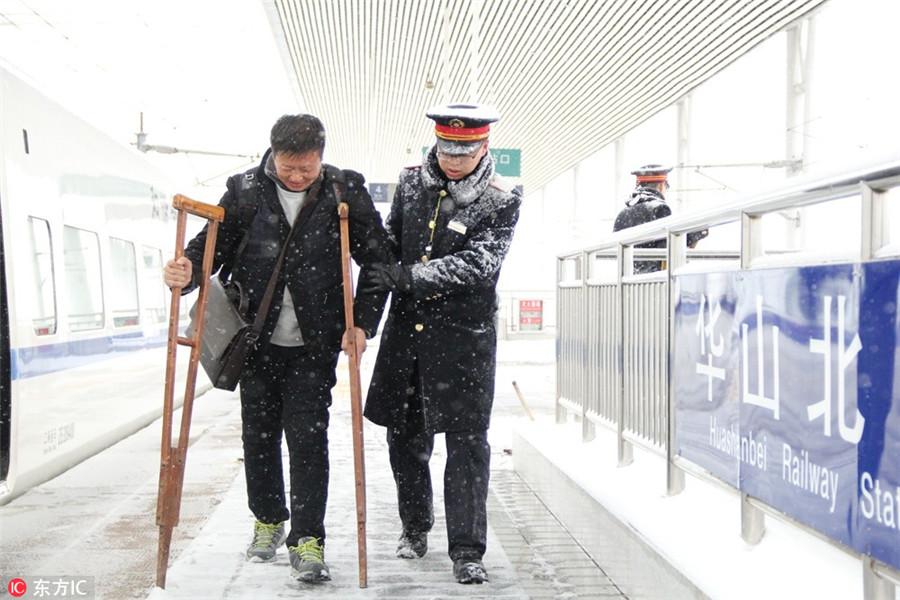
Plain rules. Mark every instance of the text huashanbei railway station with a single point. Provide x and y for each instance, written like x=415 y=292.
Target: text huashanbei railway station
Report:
x=787 y=386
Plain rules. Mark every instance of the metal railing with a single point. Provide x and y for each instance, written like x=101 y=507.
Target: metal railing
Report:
x=615 y=328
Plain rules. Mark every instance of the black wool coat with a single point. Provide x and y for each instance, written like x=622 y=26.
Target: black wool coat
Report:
x=446 y=325
x=312 y=266
x=645 y=205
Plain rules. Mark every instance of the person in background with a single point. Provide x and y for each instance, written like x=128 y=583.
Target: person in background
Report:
x=451 y=222
x=285 y=387
x=648 y=203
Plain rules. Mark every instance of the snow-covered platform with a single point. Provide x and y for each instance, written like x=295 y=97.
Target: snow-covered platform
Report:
x=564 y=520
x=96 y=522
x=686 y=546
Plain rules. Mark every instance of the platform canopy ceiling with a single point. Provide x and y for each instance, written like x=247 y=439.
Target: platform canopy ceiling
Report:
x=567 y=76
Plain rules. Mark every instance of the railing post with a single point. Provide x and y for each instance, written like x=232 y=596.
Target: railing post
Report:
x=873 y=223
x=753 y=521
x=560 y=340
x=624 y=450
x=751 y=239
x=588 y=433
x=875 y=587
x=677 y=257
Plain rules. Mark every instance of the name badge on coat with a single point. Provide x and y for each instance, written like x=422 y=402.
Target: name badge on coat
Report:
x=457 y=227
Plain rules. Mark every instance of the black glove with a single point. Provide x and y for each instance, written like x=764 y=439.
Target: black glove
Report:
x=380 y=277
x=695 y=236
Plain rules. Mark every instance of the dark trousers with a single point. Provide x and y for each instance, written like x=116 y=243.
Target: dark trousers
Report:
x=466 y=478
x=288 y=390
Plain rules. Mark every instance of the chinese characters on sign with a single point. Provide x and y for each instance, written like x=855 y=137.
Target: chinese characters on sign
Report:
x=775 y=375
x=531 y=314
x=51 y=587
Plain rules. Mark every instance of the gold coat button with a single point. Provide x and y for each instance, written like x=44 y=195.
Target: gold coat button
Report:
x=419 y=327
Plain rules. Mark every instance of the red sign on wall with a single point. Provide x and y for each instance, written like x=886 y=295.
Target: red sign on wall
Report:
x=531 y=314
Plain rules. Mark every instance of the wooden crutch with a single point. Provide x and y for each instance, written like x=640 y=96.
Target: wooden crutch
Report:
x=172 y=460
x=355 y=397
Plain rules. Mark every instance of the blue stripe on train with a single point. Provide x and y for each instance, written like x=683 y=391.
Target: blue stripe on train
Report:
x=51 y=358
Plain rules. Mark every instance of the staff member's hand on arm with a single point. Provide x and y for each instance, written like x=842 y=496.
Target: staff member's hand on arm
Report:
x=380 y=277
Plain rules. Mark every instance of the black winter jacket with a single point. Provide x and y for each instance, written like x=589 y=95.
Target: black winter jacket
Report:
x=312 y=266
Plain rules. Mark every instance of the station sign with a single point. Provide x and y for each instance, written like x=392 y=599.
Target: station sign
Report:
x=787 y=386
x=380 y=192
x=507 y=161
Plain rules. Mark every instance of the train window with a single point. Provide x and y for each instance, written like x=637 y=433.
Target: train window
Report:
x=124 y=291
x=81 y=250
x=891 y=219
x=42 y=291
x=153 y=291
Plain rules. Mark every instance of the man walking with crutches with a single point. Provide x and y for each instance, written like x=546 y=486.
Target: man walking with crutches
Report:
x=292 y=199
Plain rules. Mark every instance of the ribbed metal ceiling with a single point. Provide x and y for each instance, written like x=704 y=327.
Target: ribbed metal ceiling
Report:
x=568 y=77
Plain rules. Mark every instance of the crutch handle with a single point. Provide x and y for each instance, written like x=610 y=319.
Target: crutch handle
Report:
x=200 y=209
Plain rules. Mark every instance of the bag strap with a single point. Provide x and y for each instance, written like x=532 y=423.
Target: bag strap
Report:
x=248 y=205
x=338 y=181
x=302 y=217
x=338 y=192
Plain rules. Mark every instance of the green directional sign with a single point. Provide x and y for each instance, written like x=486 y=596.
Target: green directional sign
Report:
x=507 y=161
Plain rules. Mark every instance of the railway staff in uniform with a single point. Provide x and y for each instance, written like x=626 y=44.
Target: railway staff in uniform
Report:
x=451 y=223
x=648 y=203
x=286 y=386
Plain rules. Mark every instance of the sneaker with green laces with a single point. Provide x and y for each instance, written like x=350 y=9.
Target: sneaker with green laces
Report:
x=266 y=539
x=308 y=561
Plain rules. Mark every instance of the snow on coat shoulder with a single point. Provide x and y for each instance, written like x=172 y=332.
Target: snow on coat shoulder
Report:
x=501 y=183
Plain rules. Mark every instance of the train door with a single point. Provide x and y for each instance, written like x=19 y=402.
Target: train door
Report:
x=5 y=364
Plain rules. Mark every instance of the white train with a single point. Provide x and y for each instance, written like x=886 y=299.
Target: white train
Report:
x=86 y=226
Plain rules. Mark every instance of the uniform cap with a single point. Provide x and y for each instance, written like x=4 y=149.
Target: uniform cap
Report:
x=461 y=128
x=652 y=173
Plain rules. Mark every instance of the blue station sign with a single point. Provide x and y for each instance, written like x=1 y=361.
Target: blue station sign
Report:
x=787 y=386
